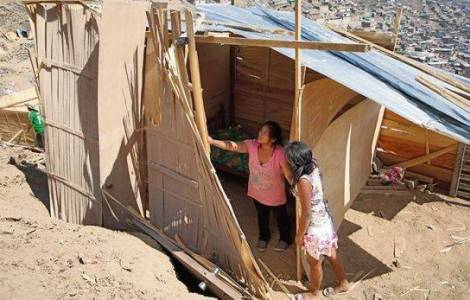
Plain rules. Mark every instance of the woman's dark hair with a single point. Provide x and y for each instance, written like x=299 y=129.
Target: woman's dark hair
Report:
x=300 y=158
x=275 y=132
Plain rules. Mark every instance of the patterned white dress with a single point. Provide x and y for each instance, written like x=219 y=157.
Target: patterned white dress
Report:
x=320 y=237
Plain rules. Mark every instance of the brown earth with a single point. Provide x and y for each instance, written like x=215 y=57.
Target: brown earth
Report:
x=44 y=258
x=398 y=241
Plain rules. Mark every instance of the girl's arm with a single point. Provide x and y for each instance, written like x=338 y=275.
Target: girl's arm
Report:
x=287 y=171
x=229 y=145
x=304 y=192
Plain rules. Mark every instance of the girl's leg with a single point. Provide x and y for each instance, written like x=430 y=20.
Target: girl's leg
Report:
x=343 y=284
x=316 y=275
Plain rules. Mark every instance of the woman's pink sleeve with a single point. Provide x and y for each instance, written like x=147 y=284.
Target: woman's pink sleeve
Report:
x=281 y=156
x=249 y=145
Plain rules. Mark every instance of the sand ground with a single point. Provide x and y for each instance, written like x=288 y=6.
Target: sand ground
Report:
x=45 y=258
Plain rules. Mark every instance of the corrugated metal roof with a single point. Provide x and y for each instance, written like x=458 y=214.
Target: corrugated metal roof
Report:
x=373 y=74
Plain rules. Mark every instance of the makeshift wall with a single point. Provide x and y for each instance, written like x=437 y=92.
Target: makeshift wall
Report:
x=322 y=101
x=90 y=82
x=401 y=140
x=264 y=88
x=67 y=38
x=345 y=151
x=215 y=69
x=186 y=198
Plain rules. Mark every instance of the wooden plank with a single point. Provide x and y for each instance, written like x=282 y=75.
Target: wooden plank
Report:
x=424 y=158
x=196 y=82
x=271 y=43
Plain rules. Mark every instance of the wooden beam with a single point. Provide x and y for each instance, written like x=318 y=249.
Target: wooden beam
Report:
x=425 y=68
x=422 y=159
x=297 y=117
x=445 y=93
x=459 y=160
x=297 y=44
x=201 y=121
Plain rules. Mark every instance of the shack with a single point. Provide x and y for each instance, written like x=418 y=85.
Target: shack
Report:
x=129 y=105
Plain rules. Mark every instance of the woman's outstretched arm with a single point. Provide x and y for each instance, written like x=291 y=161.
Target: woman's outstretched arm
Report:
x=229 y=145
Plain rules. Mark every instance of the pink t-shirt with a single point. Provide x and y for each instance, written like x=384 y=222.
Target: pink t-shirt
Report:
x=266 y=182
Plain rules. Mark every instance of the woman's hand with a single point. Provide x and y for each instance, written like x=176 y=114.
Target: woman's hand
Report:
x=210 y=140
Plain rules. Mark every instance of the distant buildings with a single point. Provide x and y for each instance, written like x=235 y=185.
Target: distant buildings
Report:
x=436 y=32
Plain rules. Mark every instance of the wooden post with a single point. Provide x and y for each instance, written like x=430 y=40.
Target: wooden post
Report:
x=297 y=118
x=200 y=114
x=426 y=137
x=396 y=28
x=459 y=158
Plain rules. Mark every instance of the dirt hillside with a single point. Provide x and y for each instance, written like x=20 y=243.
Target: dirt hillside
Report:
x=44 y=258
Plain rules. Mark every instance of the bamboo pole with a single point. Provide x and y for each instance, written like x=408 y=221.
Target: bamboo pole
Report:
x=196 y=82
x=297 y=131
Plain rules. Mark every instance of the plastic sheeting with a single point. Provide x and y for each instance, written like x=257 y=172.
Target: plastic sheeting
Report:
x=373 y=74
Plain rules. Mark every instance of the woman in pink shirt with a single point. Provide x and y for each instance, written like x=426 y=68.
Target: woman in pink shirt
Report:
x=266 y=185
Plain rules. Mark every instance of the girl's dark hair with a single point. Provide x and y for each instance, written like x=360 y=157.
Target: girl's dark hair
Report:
x=275 y=131
x=300 y=158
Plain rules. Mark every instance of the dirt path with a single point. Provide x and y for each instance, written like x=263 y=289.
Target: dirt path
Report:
x=44 y=258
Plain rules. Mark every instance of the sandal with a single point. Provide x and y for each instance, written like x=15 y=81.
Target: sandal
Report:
x=329 y=292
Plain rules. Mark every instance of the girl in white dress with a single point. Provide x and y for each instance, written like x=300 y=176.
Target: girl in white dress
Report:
x=316 y=233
